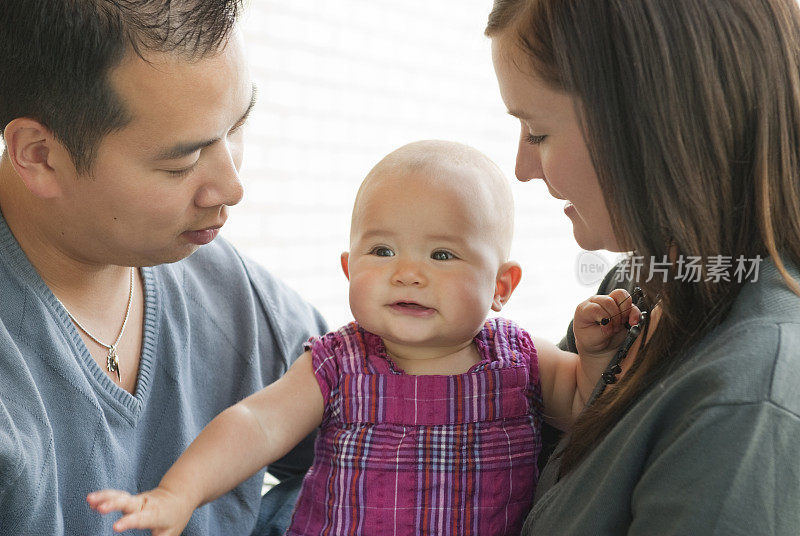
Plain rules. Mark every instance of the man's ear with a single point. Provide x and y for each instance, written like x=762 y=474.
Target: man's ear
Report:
x=508 y=277
x=32 y=148
x=345 y=266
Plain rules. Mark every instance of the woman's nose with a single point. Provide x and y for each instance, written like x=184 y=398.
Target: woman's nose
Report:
x=529 y=165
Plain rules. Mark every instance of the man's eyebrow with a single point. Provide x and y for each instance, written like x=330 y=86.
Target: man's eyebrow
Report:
x=184 y=149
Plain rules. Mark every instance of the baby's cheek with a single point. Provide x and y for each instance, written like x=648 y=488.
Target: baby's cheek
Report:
x=474 y=298
x=363 y=301
x=357 y=299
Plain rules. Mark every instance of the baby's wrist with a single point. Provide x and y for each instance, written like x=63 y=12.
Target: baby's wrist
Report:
x=184 y=497
x=594 y=356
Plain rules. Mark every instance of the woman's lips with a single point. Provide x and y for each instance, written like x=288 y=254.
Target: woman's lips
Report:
x=201 y=237
x=411 y=309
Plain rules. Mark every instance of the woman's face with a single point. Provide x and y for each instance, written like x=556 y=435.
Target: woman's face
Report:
x=551 y=145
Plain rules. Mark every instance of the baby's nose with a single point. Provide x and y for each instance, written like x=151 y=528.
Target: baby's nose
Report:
x=408 y=273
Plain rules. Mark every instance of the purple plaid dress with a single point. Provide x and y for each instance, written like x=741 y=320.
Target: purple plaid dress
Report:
x=413 y=455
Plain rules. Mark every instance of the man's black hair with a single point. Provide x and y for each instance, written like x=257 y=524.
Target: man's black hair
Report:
x=55 y=57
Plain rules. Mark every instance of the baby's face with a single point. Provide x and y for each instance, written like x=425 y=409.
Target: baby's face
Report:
x=423 y=260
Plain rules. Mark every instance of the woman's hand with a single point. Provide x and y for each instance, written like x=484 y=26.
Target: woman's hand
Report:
x=593 y=337
x=163 y=512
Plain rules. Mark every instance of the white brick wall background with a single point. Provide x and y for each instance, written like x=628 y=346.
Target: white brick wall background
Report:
x=342 y=83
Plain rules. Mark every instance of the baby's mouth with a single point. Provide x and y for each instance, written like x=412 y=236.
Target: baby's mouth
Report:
x=411 y=308
x=411 y=305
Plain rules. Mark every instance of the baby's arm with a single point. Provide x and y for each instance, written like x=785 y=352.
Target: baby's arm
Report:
x=568 y=379
x=236 y=444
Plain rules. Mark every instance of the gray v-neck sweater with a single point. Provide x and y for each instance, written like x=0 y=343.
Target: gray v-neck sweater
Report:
x=216 y=328
x=713 y=449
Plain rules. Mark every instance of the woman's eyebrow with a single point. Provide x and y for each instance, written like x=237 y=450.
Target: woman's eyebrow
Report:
x=519 y=114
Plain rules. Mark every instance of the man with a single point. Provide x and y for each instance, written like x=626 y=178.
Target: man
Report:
x=124 y=326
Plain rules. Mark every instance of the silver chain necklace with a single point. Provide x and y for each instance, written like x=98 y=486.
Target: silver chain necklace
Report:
x=112 y=360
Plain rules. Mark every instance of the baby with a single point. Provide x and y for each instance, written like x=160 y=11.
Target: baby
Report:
x=429 y=415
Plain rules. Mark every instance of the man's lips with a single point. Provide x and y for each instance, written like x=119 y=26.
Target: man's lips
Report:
x=411 y=308
x=202 y=236
x=209 y=228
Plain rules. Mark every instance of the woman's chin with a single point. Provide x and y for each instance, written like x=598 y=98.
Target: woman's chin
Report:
x=589 y=240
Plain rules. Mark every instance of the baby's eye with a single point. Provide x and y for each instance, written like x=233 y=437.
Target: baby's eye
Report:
x=442 y=255
x=381 y=251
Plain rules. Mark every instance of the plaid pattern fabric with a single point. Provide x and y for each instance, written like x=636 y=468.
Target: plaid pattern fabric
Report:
x=422 y=455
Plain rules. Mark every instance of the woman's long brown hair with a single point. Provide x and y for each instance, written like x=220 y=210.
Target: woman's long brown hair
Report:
x=691 y=112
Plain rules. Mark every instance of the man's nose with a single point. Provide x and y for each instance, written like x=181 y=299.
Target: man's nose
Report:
x=222 y=185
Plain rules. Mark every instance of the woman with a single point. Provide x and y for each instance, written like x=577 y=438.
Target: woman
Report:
x=672 y=128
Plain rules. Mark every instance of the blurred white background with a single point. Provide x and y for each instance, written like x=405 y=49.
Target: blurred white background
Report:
x=343 y=83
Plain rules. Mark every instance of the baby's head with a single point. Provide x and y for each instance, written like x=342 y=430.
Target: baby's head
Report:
x=429 y=243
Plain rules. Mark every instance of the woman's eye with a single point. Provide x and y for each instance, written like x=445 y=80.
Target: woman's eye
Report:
x=534 y=140
x=381 y=251
x=442 y=255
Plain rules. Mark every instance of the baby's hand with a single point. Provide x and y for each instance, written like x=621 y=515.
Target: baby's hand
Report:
x=163 y=512
x=593 y=337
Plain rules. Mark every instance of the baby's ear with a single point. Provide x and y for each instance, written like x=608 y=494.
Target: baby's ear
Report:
x=508 y=277
x=345 y=266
